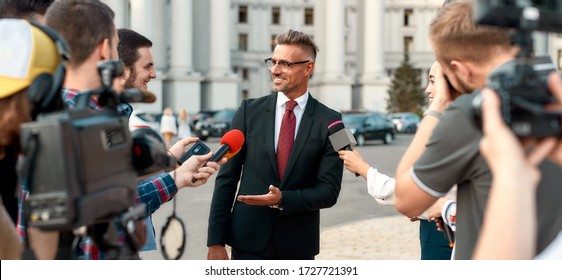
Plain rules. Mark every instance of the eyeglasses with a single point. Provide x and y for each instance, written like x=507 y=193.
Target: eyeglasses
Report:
x=284 y=65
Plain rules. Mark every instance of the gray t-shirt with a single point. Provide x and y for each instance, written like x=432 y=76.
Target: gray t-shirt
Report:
x=452 y=157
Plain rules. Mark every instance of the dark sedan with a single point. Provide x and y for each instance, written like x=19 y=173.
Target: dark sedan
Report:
x=369 y=126
x=215 y=126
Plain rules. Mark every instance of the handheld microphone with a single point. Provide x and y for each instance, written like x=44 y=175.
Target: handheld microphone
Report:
x=448 y=232
x=137 y=95
x=230 y=145
x=340 y=137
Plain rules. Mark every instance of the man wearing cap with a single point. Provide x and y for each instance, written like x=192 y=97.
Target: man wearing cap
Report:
x=22 y=62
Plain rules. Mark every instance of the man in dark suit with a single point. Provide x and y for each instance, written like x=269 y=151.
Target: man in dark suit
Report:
x=277 y=212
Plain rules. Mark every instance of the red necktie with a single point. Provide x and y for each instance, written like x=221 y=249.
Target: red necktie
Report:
x=286 y=137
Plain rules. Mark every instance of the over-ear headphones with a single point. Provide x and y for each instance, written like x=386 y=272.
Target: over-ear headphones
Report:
x=44 y=93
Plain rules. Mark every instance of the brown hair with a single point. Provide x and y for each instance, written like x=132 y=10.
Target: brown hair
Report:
x=24 y=9
x=84 y=24
x=455 y=36
x=15 y=111
x=293 y=37
x=129 y=44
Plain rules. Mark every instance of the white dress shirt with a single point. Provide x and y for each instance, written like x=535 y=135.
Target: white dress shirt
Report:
x=280 y=111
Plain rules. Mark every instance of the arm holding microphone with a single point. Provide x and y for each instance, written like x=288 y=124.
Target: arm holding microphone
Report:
x=196 y=170
x=379 y=185
x=230 y=145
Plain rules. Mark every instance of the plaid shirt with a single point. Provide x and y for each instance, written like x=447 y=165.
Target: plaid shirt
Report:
x=153 y=192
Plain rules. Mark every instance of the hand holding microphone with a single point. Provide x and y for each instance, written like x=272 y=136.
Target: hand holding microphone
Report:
x=230 y=145
x=447 y=231
x=340 y=137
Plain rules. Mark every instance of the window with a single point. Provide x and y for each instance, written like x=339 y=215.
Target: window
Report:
x=408 y=42
x=308 y=16
x=243 y=14
x=276 y=15
x=408 y=14
x=273 y=42
x=242 y=42
x=245 y=74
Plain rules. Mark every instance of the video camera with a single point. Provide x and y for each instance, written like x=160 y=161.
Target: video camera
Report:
x=81 y=164
x=522 y=83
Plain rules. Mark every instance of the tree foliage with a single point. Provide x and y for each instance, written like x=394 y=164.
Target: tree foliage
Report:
x=405 y=93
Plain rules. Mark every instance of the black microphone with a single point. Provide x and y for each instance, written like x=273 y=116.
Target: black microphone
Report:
x=340 y=137
x=448 y=232
x=136 y=95
x=230 y=145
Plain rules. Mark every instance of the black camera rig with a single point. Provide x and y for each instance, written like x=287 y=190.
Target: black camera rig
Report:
x=80 y=166
x=522 y=83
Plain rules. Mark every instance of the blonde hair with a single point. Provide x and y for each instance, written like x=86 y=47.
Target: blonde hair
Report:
x=454 y=36
x=168 y=111
x=182 y=115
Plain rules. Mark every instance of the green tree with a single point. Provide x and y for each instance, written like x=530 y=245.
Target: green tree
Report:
x=405 y=93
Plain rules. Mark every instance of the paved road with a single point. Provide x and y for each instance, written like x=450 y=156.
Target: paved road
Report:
x=355 y=228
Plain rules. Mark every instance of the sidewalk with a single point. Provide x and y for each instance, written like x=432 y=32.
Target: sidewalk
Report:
x=387 y=238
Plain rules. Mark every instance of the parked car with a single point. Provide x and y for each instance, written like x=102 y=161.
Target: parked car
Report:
x=215 y=126
x=201 y=115
x=405 y=122
x=141 y=119
x=369 y=126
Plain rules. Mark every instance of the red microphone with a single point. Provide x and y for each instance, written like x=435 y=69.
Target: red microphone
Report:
x=230 y=145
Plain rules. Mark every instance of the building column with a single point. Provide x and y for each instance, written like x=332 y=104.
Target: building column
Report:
x=120 y=9
x=331 y=84
x=183 y=86
x=259 y=82
x=372 y=80
x=147 y=18
x=220 y=88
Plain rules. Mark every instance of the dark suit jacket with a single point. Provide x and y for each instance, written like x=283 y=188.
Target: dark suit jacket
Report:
x=312 y=181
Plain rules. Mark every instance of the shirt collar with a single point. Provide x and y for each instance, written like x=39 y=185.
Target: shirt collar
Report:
x=282 y=99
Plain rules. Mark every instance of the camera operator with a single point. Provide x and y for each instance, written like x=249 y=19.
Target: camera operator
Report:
x=90 y=32
x=24 y=46
x=468 y=53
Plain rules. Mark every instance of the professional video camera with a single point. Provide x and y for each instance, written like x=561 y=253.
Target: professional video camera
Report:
x=81 y=165
x=522 y=83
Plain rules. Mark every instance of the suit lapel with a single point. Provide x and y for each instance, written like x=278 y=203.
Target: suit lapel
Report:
x=302 y=135
x=269 y=130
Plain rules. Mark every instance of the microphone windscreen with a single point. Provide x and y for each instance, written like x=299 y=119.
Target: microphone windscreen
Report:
x=335 y=125
x=147 y=96
x=234 y=139
x=132 y=95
